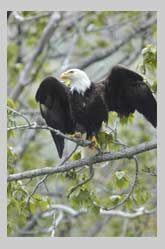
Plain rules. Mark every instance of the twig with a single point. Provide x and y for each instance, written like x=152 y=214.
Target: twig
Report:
x=19 y=114
x=69 y=156
x=33 y=125
x=56 y=222
x=36 y=187
x=91 y=172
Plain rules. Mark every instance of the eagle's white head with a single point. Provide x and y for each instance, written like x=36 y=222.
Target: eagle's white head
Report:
x=77 y=79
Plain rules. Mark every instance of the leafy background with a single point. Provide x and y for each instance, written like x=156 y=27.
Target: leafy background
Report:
x=94 y=42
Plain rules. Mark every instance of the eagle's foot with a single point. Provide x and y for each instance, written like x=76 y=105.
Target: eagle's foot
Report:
x=76 y=135
x=94 y=144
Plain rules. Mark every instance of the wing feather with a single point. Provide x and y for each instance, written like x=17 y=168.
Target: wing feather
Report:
x=54 y=105
x=126 y=92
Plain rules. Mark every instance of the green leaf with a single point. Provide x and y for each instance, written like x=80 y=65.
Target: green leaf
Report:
x=76 y=156
x=154 y=86
x=37 y=197
x=43 y=205
x=127 y=119
x=33 y=207
x=9 y=229
x=121 y=180
x=104 y=139
x=120 y=174
x=71 y=174
x=11 y=103
x=115 y=199
x=32 y=103
x=102 y=43
x=130 y=203
x=95 y=210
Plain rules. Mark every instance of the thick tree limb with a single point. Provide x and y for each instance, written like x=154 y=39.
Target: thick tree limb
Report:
x=125 y=153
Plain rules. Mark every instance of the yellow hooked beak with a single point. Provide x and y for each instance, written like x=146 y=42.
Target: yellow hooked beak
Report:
x=65 y=77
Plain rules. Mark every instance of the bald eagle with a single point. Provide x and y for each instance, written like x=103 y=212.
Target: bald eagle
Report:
x=76 y=105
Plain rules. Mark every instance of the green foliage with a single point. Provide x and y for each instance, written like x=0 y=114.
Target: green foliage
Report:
x=148 y=66
x=38 y=203
x=149 y=57
x=82 y=42
x=32 y=103
x=83 y=198
x=76 y=156
x=104 y=139
x=124 y=120
x=11 y=103
x=71 y=174
x=102 y=43
x=16 y=209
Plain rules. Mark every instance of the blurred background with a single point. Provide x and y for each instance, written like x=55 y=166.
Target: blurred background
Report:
x=48 y=43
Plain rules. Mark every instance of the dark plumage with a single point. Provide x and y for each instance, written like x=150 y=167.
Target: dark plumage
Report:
x=54 y=106
x=83 y=109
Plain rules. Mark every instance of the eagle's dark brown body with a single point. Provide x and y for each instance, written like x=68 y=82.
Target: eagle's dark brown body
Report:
x=123 y=91
x=88 y=111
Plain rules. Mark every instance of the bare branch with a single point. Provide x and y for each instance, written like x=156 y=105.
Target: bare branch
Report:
x=124 y=153
x=55 y=223
x=20 y=19
x=35 y=126
x=35 y=188
x=19 y=114
x=69 y=156
x=76 y=213
x=123 y=214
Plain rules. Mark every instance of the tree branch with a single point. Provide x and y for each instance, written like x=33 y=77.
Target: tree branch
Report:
x=102 y=54
x=125 y=153
x=20 y=19
x=76 y=213
x=47 y=34
x=35 y=126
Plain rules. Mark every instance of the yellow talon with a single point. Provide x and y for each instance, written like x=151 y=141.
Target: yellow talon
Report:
x=95 y=144
x=76 y=135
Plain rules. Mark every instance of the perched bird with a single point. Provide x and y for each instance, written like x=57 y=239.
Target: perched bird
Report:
x=76 y=105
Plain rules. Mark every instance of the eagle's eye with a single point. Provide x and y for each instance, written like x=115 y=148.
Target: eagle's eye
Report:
x=71 y=71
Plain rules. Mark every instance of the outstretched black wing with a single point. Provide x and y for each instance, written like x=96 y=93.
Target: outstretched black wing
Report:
x=54 y=105
x=127 y=92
